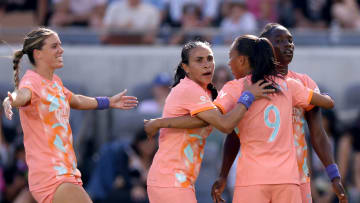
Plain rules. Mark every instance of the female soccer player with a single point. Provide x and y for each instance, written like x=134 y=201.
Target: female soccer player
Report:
x=283 y=44
x=177 y=162
x=265 y=130
x=44 y=105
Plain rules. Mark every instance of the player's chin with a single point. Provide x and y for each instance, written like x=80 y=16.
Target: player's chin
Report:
x=59 y=65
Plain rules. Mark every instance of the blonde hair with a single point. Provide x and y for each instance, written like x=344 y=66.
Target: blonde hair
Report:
x=33 y=40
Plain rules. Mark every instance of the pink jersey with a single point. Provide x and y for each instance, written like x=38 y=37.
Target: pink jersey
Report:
x=299 y=128
x=47 y=134
x=267 y=153
x=178 y=159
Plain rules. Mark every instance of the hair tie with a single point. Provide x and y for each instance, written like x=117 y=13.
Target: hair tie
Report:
x=23 y=52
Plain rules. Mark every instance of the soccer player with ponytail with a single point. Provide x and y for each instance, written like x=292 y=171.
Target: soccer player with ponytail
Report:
x=44 y=105
x=177 y=162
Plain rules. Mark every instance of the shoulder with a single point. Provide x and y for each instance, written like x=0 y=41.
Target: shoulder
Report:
x=30 y=78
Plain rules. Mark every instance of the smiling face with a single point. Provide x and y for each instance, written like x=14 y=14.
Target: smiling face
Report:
x=51 y=52
x=201 y=65
x=283 y=44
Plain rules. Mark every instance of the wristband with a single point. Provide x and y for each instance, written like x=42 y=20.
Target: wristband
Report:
x=332 y=171
x=246 y=98
x=103 y=103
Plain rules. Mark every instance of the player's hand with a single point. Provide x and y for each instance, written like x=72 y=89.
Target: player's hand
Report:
x=120 y=101
x=7 y=104
x=150 y=128
x=339 y=190
x=258 y=89
x=217 y=189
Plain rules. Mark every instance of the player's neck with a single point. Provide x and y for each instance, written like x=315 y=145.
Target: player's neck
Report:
x=44 y=71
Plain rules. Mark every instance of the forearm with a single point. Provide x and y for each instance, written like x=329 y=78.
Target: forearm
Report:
x=319 y=138
x=182 y=122
x=82 y=102
x=225 y=123
x=231 y=149
x=21 y=97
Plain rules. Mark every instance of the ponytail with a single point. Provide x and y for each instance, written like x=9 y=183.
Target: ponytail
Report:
x=17 y=57
x=213 y=90
x=179 y=74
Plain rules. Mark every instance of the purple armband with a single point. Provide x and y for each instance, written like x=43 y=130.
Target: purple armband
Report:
x=246 y=98
x=103 y=103
x=332 y=171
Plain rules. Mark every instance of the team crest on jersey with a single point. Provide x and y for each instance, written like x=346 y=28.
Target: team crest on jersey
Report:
x=222 y=94
x=204 y=99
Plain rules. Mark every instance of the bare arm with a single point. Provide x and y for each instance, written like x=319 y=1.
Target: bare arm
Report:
x=323 y=101
x=321 y=144
x=120 y=101
x=231 y=149
x=318 y=136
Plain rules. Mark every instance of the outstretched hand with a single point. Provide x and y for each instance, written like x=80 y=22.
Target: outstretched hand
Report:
x=258 y=89
x=150 y=128
x=120 y=101
x=217 y=189
x=339 y=190
x=7 y=106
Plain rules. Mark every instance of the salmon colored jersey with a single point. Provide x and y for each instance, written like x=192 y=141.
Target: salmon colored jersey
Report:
x=299 y=127
x=267 y=153
x=47 y=134
x=178 y=159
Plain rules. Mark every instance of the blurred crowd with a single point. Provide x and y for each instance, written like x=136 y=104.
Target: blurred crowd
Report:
x=115 y=169
x=177 y=21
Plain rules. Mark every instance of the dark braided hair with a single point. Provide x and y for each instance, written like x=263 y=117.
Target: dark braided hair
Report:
x=180 y=72
x=33 y=40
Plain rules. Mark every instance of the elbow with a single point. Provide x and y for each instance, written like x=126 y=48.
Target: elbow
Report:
x=330 y=105
x=227 y=129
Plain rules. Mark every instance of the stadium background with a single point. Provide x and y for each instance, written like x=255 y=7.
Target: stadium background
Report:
x=103 y=59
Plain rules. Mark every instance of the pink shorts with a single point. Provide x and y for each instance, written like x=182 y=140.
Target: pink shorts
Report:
x=305 y=189
x=171 y=195
x=46 y=195
x=289 y=193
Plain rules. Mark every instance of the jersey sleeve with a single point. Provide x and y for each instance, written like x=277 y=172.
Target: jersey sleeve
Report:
x=228 y=96
x=301 y=95
x=196 y=101
x=33 y=85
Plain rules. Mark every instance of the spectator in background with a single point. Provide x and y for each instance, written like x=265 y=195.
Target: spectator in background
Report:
x=221 y=76
x=347 y=14
x=121 y=171
x=264 y=10
x=239 y=21
x=37 y=10
x=131 y=21
x=349 y=150
x=17 y=189
x=160 y=89
x=313 y=14
x=286 y=13
x=191 y=25
x=78 y=13
x=209 y=9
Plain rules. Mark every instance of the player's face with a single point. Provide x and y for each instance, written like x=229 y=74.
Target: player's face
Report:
x=201 y=65
x=283 y=44
x=51 y=52
x=236 y=64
